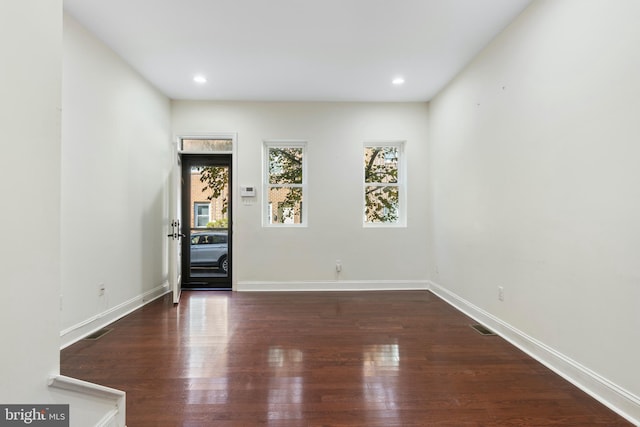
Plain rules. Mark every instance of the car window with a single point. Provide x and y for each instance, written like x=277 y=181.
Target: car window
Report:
x=219 y=238
x=200 y=240
x=208 y=239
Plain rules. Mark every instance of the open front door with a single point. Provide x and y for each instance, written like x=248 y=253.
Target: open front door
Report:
x=206 y=210
x=175 y=236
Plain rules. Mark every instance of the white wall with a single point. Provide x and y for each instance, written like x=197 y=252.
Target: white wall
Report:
x=335 y=133
x=534 y=184
x=31 y=46
x=115 y=167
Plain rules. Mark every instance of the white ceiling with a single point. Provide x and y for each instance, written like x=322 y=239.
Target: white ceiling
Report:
x=297 y=50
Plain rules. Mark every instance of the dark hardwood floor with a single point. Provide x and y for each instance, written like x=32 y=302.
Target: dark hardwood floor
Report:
x=323 y=359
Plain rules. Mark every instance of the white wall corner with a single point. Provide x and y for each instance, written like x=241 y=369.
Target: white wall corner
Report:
x=335 y=285
x=80 y=330
x=109 y=404
x=611 y=395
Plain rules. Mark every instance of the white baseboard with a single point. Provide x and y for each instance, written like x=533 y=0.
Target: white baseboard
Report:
x=80 y=330
x=336 y=285
x=611 y=395
x=111 y=419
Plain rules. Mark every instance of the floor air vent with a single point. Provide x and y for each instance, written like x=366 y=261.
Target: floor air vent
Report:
x=98 y=334
x=482 y=330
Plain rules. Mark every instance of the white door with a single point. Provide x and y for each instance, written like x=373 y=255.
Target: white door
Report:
x=175 y=237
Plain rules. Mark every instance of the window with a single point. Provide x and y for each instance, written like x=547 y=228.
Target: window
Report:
x=284 y=183
x=384 y=195
x=209 y=239
x=206 y=145
x=201 y=216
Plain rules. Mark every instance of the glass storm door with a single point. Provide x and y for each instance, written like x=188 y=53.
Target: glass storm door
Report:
x=206 y=214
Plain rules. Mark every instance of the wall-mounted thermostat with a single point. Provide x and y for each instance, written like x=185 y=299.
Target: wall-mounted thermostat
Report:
x=248 y=191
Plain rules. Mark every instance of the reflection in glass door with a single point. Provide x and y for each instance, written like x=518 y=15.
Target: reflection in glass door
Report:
x=206 y=213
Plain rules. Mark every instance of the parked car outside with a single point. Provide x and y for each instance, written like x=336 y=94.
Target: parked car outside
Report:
x=210 y=249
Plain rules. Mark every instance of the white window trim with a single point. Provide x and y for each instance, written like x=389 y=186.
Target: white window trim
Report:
x=401 y=184
x=195 y=213
x=266 y=217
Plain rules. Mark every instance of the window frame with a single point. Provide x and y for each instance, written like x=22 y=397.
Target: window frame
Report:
x=266 y=185
x=401 y=184
x=196 y=205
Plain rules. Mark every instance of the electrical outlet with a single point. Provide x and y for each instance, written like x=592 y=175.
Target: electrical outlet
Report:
x=338 y=266
x=500 y=293
x=101 y=289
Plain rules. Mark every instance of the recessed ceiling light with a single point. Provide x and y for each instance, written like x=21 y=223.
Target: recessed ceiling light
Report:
x=199 y=79
x=398 y=81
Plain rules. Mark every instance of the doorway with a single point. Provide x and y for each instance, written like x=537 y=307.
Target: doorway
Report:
x=206 y=221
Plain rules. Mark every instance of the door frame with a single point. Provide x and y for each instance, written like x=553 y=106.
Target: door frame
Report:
x=233 y=183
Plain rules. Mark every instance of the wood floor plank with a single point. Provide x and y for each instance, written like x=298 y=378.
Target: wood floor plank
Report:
x=323 y=359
